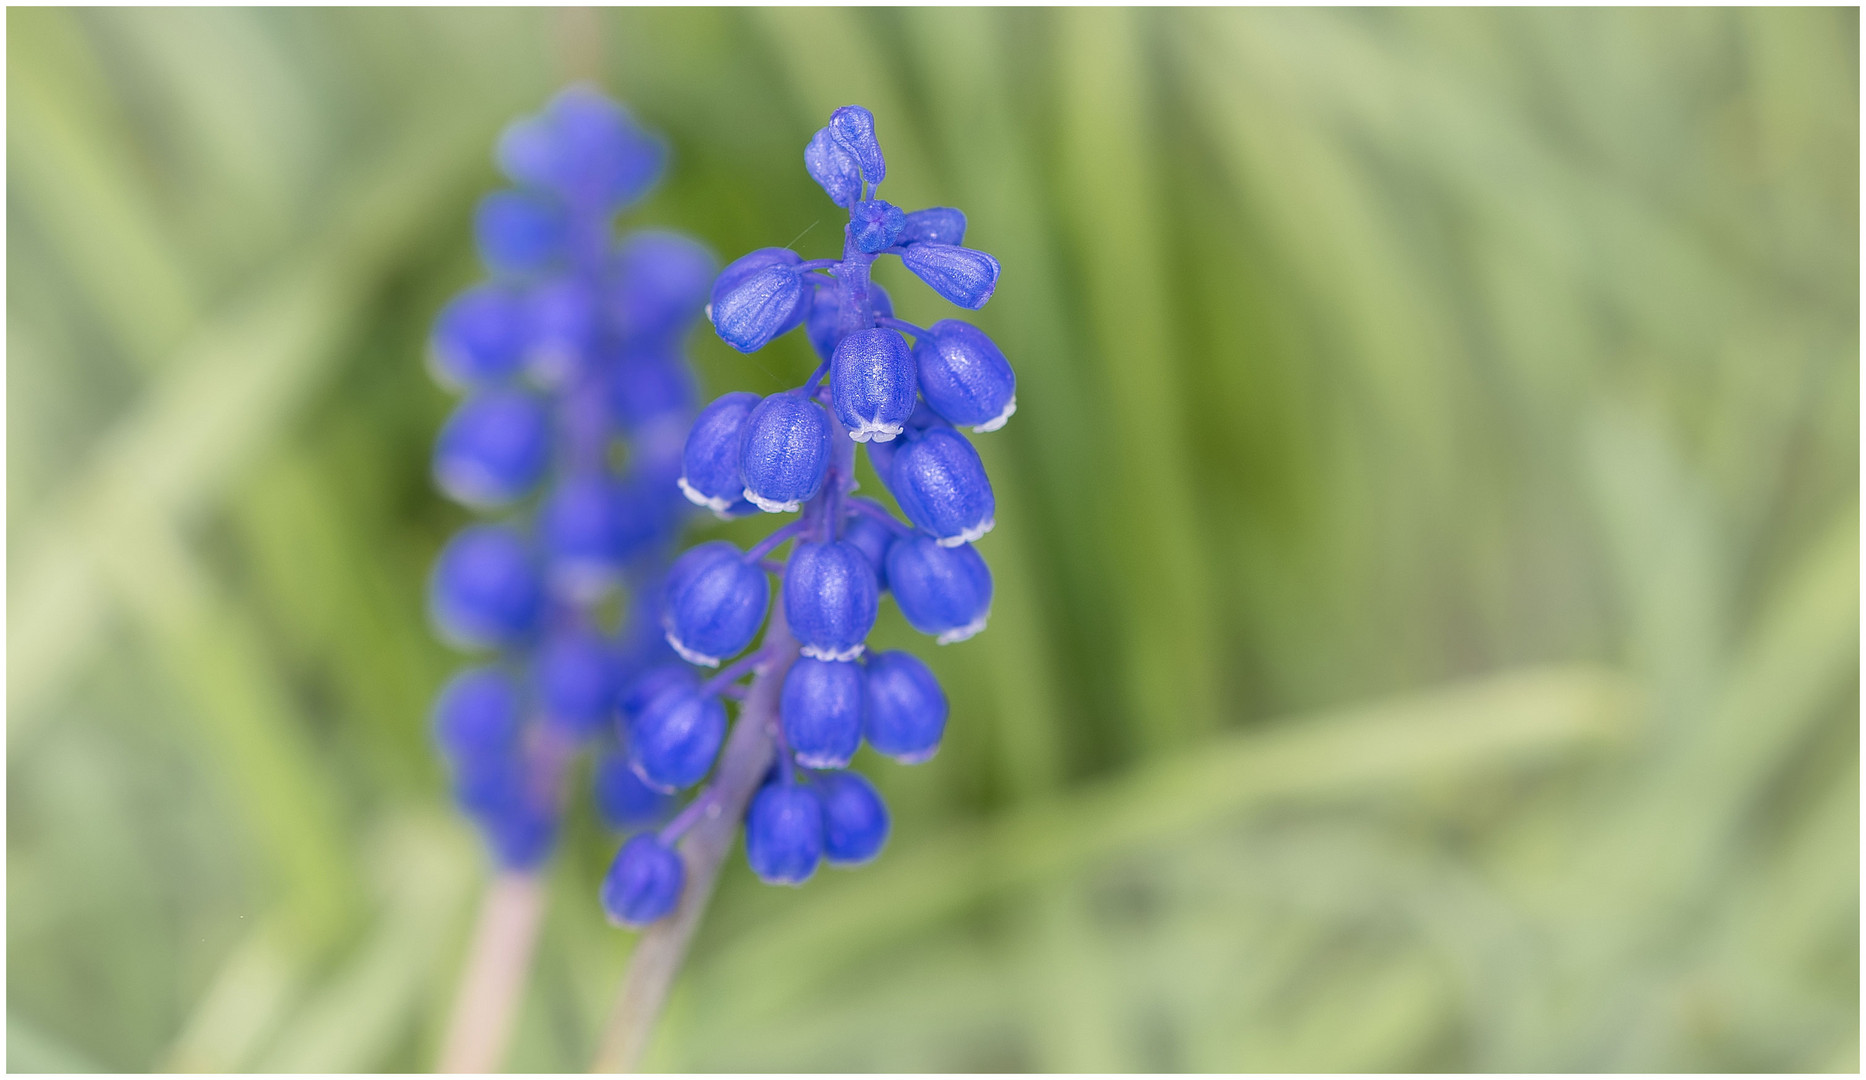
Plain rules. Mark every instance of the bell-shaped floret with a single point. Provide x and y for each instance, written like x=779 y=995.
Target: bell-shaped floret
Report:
x=934 y=225
x=873 y=224
x=520 y=232
x=853 y=128
x=562 y=321
x=658 y=283
x=493 y=449
x=941 y=486
x=784 y=833
x=484 y=787
x=622 y=800
x=855 y=820
x=587 y=531
x=872 y=538
x=486 y=590
x=784 y=451
x=824 y=322
x=964 y=375
x=943 y=591
x=714 y=603
x=821 y=706
x=710 y=474
x=477 y=715
x=759 y=296
x=830 y=599
x=676 y=736
x=643 y=883
x=584 y=148
x=906 y=709
x=646 y=385
x=575 y=672
x=479 y=338
x=834 y=168
x=961 y=275
x=871 y=381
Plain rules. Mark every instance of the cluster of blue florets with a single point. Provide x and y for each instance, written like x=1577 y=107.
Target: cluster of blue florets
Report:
x=794 y=451
x=569 y=359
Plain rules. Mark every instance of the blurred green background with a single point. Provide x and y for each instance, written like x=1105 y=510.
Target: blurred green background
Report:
x=1428 y=557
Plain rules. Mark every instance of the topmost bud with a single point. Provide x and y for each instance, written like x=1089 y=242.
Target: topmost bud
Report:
x=853 y=128
x=585 y=149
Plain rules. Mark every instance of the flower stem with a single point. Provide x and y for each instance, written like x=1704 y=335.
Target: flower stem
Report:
x=495 y=975
x=663 y=946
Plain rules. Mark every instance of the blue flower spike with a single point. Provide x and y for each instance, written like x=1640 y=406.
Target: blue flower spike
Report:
x=897 y=391
x=570 y=352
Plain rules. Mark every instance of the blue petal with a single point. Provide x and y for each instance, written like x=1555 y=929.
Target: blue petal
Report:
x=674 y=740
x=477 y=715
x=934 y=225
x=479 y=338
x=758 y=297
x=941 y=486
x=784 y=451
x=834 y=168
x=486 y=590
x=855 y=820
x=714 y=603
x=874 y=224
x=964 y=375
x=943 y=591
x=784 y=834
x=658 y=283
x=710 y=474
x=643 y=883
x=830 y=599
x=493 y=449
x=520 y=232
x=906 y=709
x=853 y=128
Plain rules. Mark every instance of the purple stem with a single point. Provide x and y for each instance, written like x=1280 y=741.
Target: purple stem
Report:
x=778 y=536
x=901 y=325
x=869 y=508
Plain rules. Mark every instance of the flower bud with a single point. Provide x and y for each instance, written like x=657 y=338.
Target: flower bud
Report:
x=855 y=820
x=784 y=833
x=714 y=603
x=784 y=451
x=588 y=527
x=964 y=376
x=934 y=225
x=477 y=715
x=493 y=449
x=479 y=338
x=674 y=740
x=830 y=599
x=943 y=591
x=871 y=383
x=758 y=297
x=486 y=591
x=853 y=128
x=873 y=225
x=906 y=709
x=520 y=232
x=561 y=330
x=658 y=282
x=821 y=707
x=961 y=275
x=941 y=486
x=710 y=474
x=834 y=168
x=643 y=883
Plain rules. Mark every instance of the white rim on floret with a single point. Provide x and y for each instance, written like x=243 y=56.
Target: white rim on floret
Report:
x=876 y=430
x=997 y=422
x=584 y=581
x=821 y=761
x=689 y=655
x=915 y=759
x=773 y=506
x=716 y=503
x=963 y=632
x=472 y=485
x=968 y=535
x=844 y=655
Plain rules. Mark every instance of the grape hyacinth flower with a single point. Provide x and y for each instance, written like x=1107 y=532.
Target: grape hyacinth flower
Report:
x=570 y=357
x=902 y=392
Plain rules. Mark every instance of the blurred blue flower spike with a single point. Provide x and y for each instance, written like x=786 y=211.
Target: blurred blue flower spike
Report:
x=572 y=354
